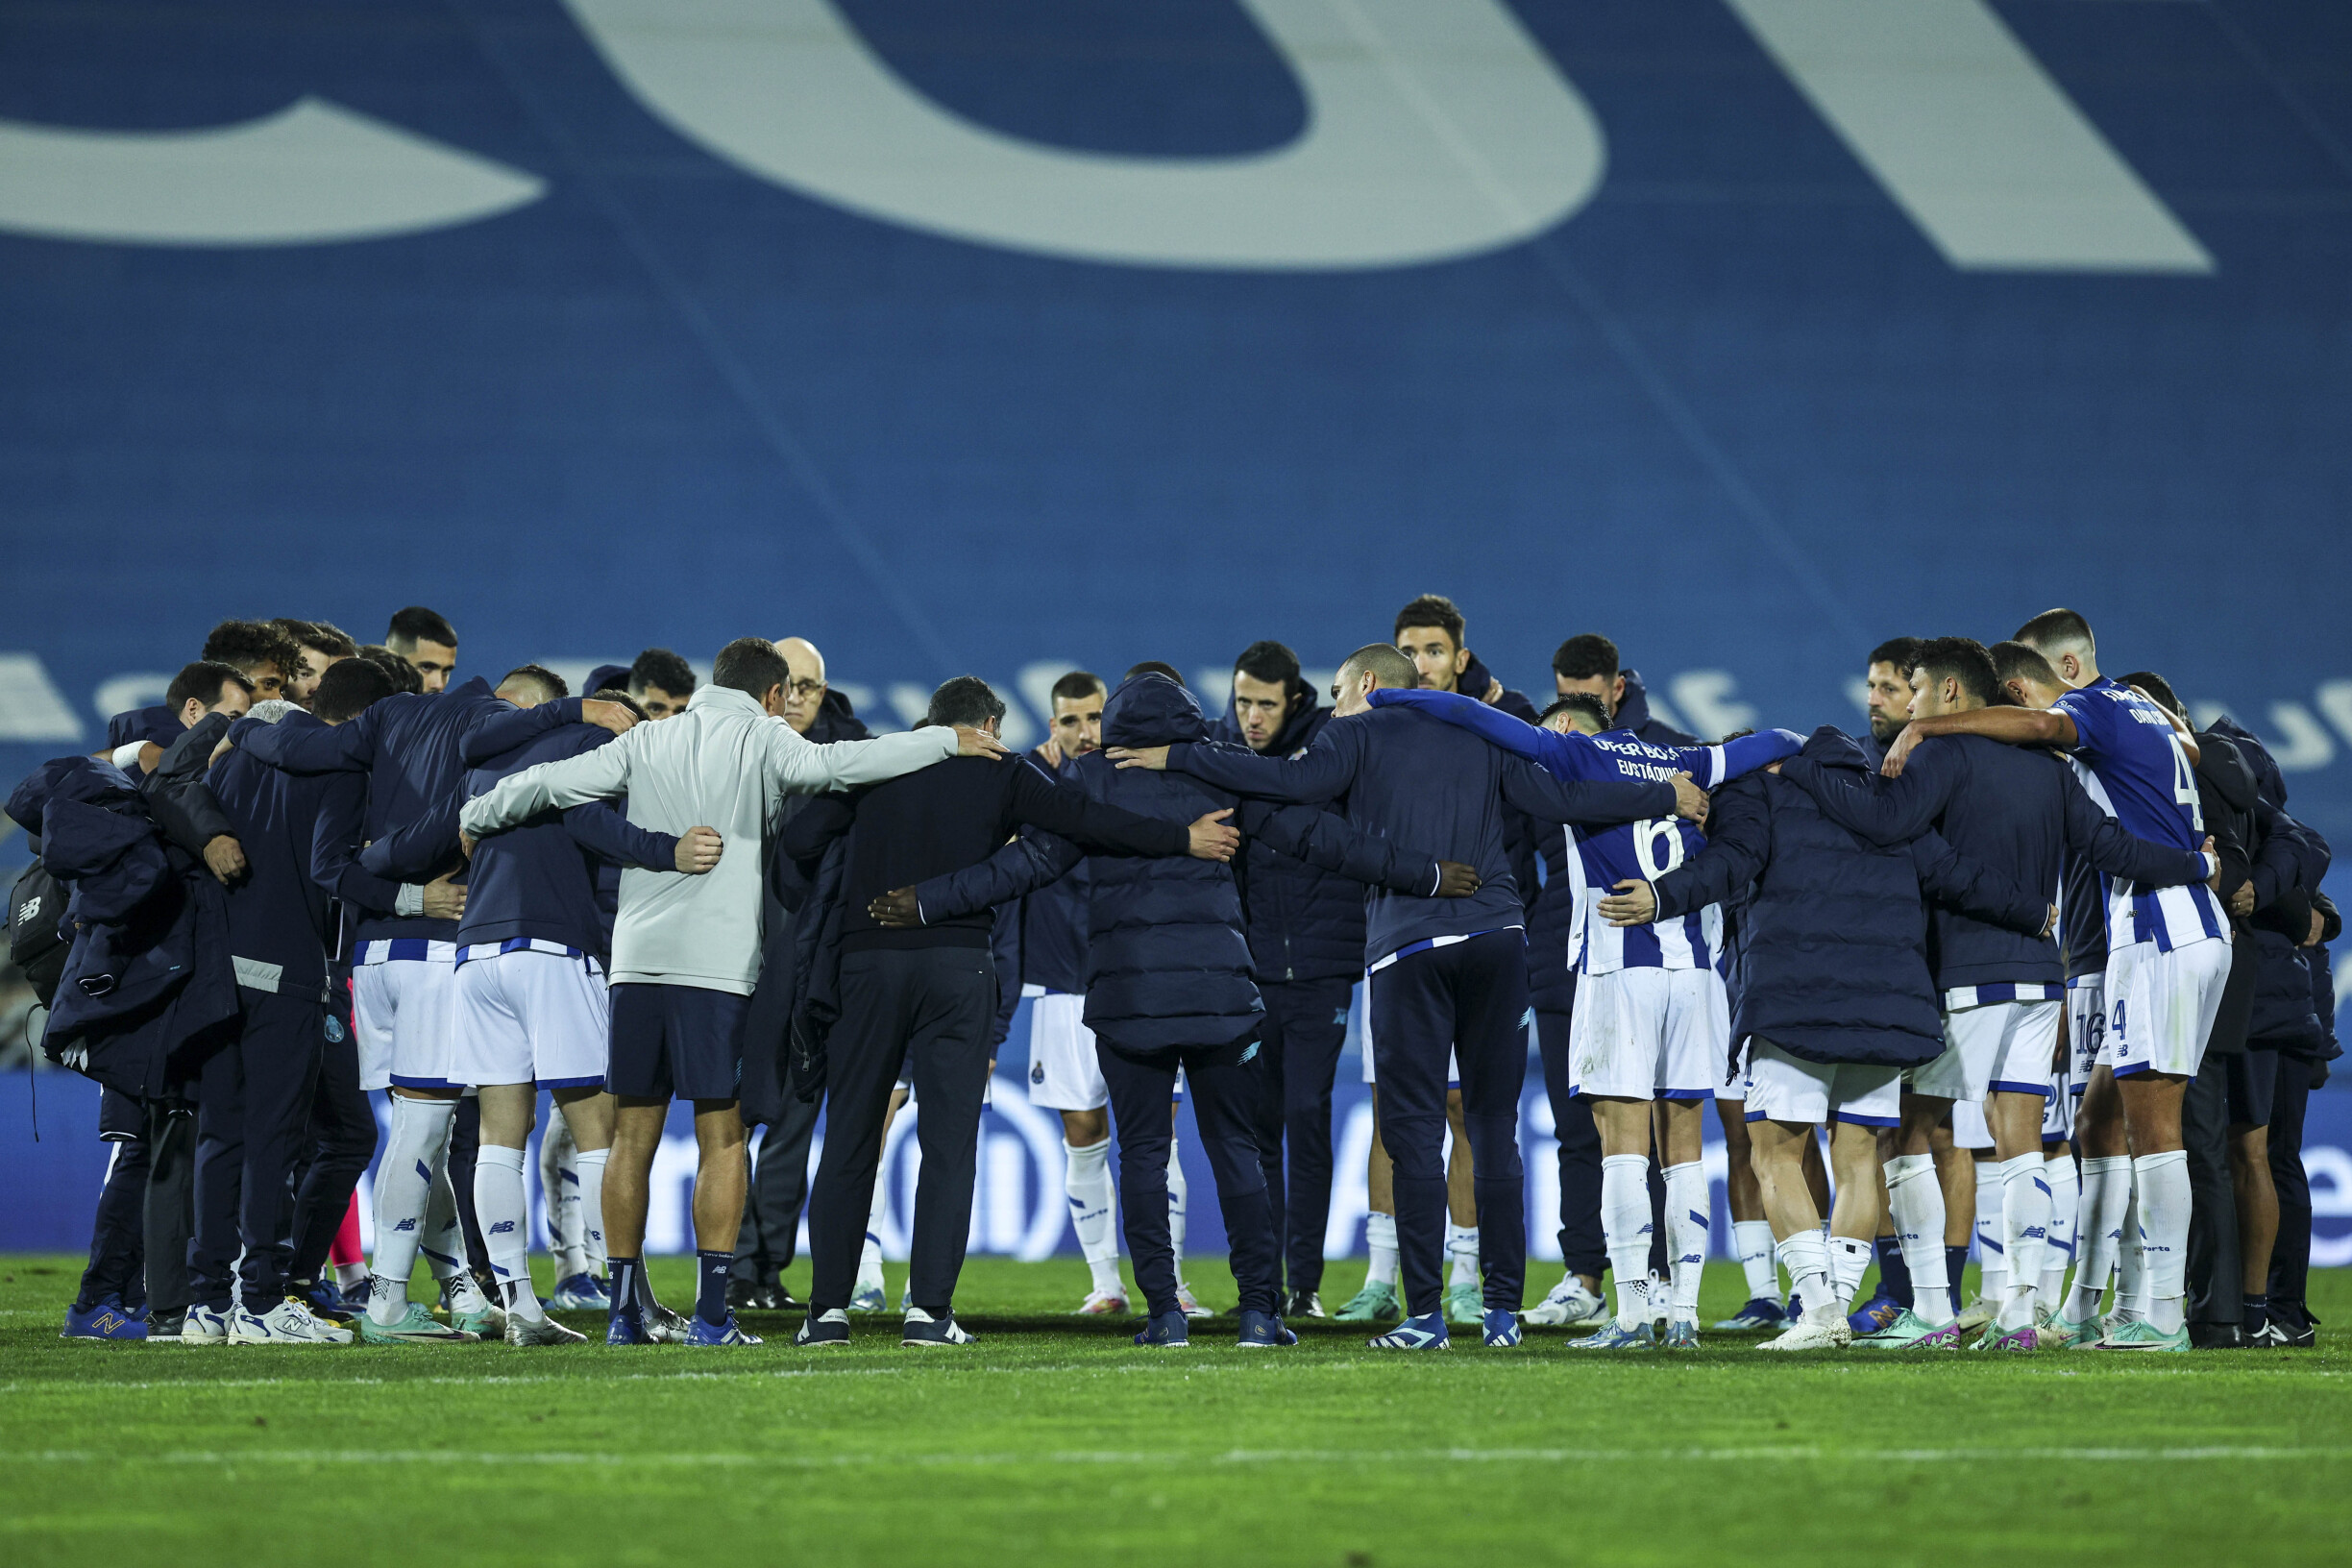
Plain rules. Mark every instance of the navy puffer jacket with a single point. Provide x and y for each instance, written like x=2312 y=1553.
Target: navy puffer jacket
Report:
x=1166 y=961
x=1833 y=961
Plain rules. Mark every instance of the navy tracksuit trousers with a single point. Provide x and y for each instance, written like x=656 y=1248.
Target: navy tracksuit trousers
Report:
x=1305 y=1026
x=1225 y=1093
x=253 y=1096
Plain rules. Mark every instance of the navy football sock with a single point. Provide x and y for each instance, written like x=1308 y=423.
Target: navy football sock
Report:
x=625 y=1272
x=1894 y=1274
x=2257 y=1313
x=1955 y=1264
x=710 y=1293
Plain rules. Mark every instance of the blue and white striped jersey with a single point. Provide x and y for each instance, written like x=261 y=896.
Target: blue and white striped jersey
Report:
x=2135 y=767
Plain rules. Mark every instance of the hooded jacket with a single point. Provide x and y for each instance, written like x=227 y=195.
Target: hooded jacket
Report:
x=2283 y=1015
x=725 y=763
x=1167 y=963
x=1305 y=922
x=147 y=984
x=1634 y=714
x=1832 y=963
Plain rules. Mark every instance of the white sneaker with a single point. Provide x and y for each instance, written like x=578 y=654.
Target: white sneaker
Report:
x=1977 y=1313
x=1821 y=1331
x=1189 y=1304
x=289 y=1323
x=1568 y=1303
x=203 y=1326
x=1104 y=1303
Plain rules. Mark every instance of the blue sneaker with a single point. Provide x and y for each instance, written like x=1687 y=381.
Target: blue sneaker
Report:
x=823 y=1330
x=1614 y=1335
x=1169 y=1331
x=627 y=1329
x=323 y=1301
x=1761 y=1312
x=1427 y=1331
x=108 y=1320
x=710 y=1335
x=581 y=1293
x=1263 y=1331
x=1878 y=1312
x=1502 y=1327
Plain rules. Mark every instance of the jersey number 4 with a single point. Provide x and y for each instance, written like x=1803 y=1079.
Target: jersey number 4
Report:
x=2184 y=785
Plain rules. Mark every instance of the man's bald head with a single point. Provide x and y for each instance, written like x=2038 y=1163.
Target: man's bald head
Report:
x=804 y=692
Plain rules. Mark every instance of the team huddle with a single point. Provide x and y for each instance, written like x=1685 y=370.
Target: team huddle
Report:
x=1984 y=947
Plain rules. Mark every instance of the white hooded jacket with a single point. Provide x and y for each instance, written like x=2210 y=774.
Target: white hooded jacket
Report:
x=724 y=763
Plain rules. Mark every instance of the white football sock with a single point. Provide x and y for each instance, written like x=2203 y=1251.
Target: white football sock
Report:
x=1850 y=1258
x=870 y=1258
x=1688 y=1217
x=2131 y=1258
x=1178 y=1195
x=2162 y=1180
x=1094 y=1201
x=1992 y=1262
x=2065 y=1197
x=2025 y=1211
x=1806 y=1258
x=588 y=1163
x=1753 y=1238
x=1380 y=1238
x=347 y=1275
x=1625 y=1225
x=504 y=1213
x=2099 y=1231
x=1914 y=1203
x=559 y=1192
x=413 y=1151
x=1462 y=1249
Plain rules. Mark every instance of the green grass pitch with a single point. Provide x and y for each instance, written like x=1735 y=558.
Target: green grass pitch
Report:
x=1053 y=1441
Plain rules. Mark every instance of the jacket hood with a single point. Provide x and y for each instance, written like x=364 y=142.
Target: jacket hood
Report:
x=1634 y=711
x=726 y=697
x=2220 y=765
x=2268 y=782
x=836 y=719
x=1828 y=745
x=1152 y=710
x=66 y=778
x=603 y=676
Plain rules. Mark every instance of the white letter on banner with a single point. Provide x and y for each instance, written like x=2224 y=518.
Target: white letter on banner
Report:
x=311 y=174
x=1436 y=129
x=1970 y=136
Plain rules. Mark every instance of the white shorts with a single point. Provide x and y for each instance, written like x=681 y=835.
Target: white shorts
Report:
x=1063 y=1072
x=536 y=1014
x=2161 y=1006
x=1969 y=1129
x=403 y=1013
x=2086 y=1029
x=1646 y=1034
x=1993 y=1048
x=2058 y=1110
x=1785 y=1087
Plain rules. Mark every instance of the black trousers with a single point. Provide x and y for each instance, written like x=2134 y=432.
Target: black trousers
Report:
x=170 y=1217
x=118 y=1237
x=2215 y=1268
x=341 y=1139
x=1470 y=996
x=1225 y=1093
x=931 y=1009
x=253 y=1094
x=771 y=1234
x=2291 y=1254
x=1298 y=1055
x=1582 y=1246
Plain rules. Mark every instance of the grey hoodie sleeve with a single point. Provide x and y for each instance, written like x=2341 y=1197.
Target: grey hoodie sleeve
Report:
x=803 y=767
x=591 y=775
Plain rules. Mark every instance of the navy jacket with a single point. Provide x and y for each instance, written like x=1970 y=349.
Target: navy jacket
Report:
x=2283 y=1016
x=1832 y=963
x=1305 y=922
x=1422 y=781
x=1053 y=923
x=1634 y=714
x=148 y=986
x=160 y=724
x=282 y=925
x=539 y=881
x=2009 y=808
x=1167 y=963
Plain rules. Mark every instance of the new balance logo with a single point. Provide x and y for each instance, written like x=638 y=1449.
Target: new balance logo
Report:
x=406 y=1225
x=504 y=1227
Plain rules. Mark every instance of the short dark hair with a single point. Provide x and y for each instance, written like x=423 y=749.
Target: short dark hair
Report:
x=552 y=687
x=2158 y=688
x=750 y=664
x=1269 y=661
x=1382 y=659
x=965 y=699
x=251 y=644
x=1902 y=652
x=2055 y=629
x=614 y=694
x=1077 y=686
x=1583 y=702
x=659 y=667
x=418 y=625
x=203 y=680
x=2021 y=661
x=1153 y=667
x=1432 y=610
x=404 y=678
x=326 y=636
x=1583 y=656
x=348 y=687
x=1963 y=659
